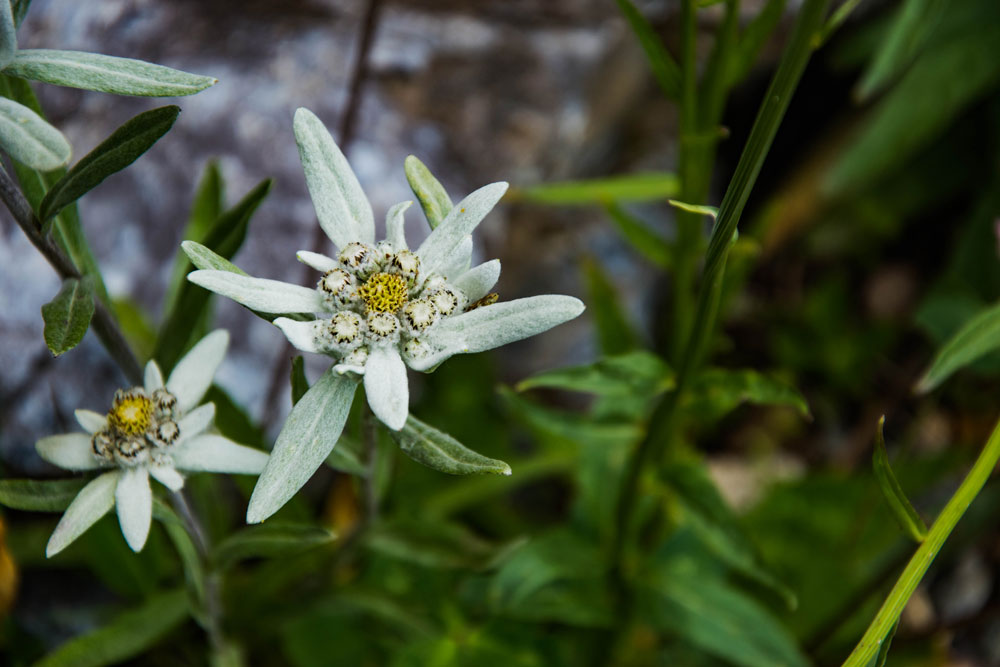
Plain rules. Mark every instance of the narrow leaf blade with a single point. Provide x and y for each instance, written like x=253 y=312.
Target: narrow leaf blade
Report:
x=976 y=338
x=892 y=491
x=118 y=151
x=105 y=74
x=39 y=496
x=270 y=541
x=643 y=186
x=67 y=317
x=427 y=445
x=665 y=68
x=8 y=38
x=428 y=190
x=127 y=636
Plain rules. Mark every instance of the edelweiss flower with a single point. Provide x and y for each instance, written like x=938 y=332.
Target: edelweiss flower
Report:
x=379 y=305
x=151 y=430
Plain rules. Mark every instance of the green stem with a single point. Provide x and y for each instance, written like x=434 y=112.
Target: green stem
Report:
x=917 y=567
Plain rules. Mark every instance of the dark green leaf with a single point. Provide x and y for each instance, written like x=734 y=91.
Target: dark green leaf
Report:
x=892 y=491
x=908 y=118
x=629 y=187
x=718 y=391
x=568 y=425
x=67 y=317
x=225 y=237
x=427 y=445
x=346 y=457
x=978 y=337
x=665 y=68
x=20 y=8
x=232 y=421
x=717 y=618
x=614 y=332
x=620 y=374
x=753 y=39
x=127 y=636
x=648 y=243
x=118 y=151
x=209 y=203
x=300 y=385
x=434 y=544
x=429 y=191
x=270 y=540
x=106 y=74
x=914 y=22
x=39 y=496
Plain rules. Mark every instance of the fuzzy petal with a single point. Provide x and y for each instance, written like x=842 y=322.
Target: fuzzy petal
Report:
x=300 y=334
x=134 y=502
x=477 y=282
x=309 y=434
x=192 y=376
x=94 y=501
x=91 y=421
x=195 y=422
x=395 y=224
x=152 y=378
x=457 y=225
x=386 y=386
x=214 y=453
x=341 y=206
x=167 y=476
x=459 y=261
x=317 y=261
x=492 y=326
x=260 y=294
x=71 y=451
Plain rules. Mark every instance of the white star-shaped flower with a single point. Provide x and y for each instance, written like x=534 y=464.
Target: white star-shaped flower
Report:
x=379 y=307
x=154 y=430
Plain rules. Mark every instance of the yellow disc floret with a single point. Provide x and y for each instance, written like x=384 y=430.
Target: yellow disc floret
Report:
x=384 y=292
x=131 y=413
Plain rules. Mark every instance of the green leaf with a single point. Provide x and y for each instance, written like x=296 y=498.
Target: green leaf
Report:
x=718 y=391
x=708 y=613
x=978 y=337
x=629 y=187
x=270 y=540
x=428 y=190
x=67 y=317
x=558 y=576
x=883 y=651
x=20 y=8
x=753 y=39
x=892 y=491
x=427 y=445
x=435 y=544
x=665 y=68
x=29 y=139
x=915 y=21
x=209 y=203
x=346 y=457
x=8 y=36
x=710 y=211
x=300 y=385
x=225 y=237
x=118 y=151
x=569 y=426
x=127 y=636
x=39 y=496
x=615 y=334
x=232 y=421
x=907 y=118
x=106 y=74
x=649 y=244
x=203 y=258
x=615 y=375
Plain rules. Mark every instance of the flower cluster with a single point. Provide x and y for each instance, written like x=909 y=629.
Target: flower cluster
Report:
x=376 y=309
x=154 y=430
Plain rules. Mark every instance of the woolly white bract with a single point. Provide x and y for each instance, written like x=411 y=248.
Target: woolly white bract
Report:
x=378 y=308
x=154 y=430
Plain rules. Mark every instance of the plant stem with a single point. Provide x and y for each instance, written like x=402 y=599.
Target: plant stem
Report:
x=663 y=422
x=369 y=426
x=103 y=323
x=889 y=613
x=213 y=598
